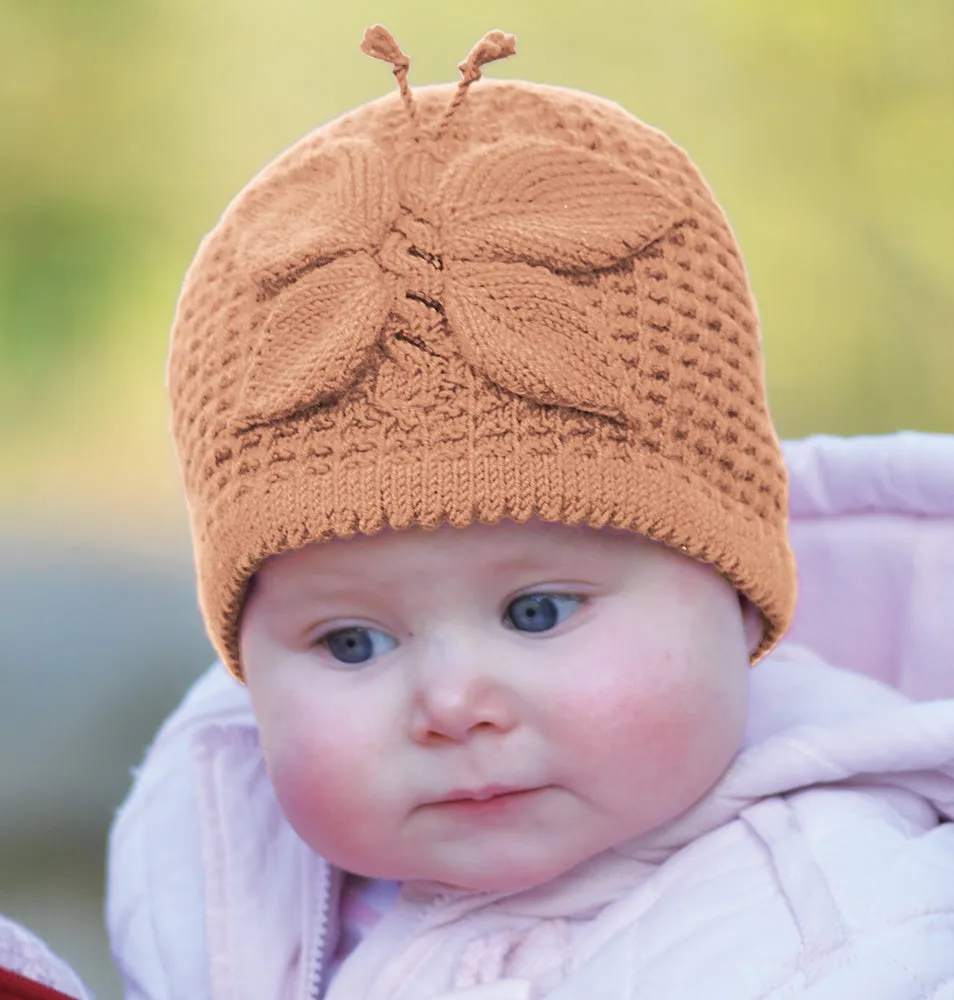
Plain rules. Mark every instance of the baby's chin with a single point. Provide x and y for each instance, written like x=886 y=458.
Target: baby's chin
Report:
x=505 y=878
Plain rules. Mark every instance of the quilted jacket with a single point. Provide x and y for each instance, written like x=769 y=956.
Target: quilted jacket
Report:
x=821 y=865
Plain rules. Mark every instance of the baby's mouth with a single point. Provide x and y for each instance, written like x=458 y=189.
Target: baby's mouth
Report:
x=490 y=801
x=484 y=794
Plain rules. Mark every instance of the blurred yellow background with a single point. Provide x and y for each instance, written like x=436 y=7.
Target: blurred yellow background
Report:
x=825 y=128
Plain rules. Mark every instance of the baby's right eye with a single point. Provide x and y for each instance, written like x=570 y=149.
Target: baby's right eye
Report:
x=357 y=645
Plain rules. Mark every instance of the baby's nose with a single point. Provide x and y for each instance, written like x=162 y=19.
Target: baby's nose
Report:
x=455 y=704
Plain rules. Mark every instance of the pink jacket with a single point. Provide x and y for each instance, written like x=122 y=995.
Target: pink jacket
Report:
x=820 y=866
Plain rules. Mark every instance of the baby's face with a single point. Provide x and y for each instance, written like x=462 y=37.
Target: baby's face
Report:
x=402 y=682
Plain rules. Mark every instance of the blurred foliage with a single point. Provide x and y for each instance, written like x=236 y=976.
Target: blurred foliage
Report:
x=61 y=262
x=826 y=130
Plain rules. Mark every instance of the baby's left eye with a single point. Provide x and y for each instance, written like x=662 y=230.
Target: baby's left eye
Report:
x=540 y=612
x=357 y=645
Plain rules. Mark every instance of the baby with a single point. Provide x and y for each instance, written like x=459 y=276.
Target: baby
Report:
x=490 y=524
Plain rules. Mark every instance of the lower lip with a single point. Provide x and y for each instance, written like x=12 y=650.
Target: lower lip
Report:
x=498 y=805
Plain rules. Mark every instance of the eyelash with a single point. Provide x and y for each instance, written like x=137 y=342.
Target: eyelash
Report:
x=582 y=600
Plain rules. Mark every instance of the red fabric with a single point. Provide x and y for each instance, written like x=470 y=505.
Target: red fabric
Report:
x=13 y=986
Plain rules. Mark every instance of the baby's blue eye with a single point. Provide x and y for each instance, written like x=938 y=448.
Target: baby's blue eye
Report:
x=540 y=612
x=357 y=645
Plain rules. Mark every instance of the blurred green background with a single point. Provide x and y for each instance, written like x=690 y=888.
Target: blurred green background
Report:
x=826 y=128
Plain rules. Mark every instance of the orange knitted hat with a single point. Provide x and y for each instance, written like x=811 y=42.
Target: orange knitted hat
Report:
x=467 y=304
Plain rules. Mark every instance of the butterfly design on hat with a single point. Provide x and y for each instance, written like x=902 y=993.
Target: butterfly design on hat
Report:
x=494 y=242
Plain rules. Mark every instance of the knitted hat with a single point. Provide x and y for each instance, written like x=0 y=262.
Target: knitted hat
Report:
x=467 y=304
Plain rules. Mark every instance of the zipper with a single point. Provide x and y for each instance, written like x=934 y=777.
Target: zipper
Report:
x=399 y=968
x=392 y=977
x=319 y=937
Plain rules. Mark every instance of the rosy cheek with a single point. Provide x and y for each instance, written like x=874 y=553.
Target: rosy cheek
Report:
x=640 y=724
x=319 y=787
x=658 y=728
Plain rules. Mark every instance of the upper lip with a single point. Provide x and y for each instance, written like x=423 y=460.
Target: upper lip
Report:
x=480 y=794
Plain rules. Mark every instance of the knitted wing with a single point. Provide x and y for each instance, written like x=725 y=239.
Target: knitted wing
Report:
x=316 y=341
x=546 y=204
x=526 y=331
x=519 y=223
x=309 y=246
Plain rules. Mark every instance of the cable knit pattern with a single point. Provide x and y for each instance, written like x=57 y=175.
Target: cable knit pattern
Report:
x=500 y=300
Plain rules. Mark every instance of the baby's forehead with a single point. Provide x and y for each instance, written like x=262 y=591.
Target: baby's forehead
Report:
x=499 y=545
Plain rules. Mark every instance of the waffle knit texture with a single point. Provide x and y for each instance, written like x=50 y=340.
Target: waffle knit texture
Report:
x=471 y=303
